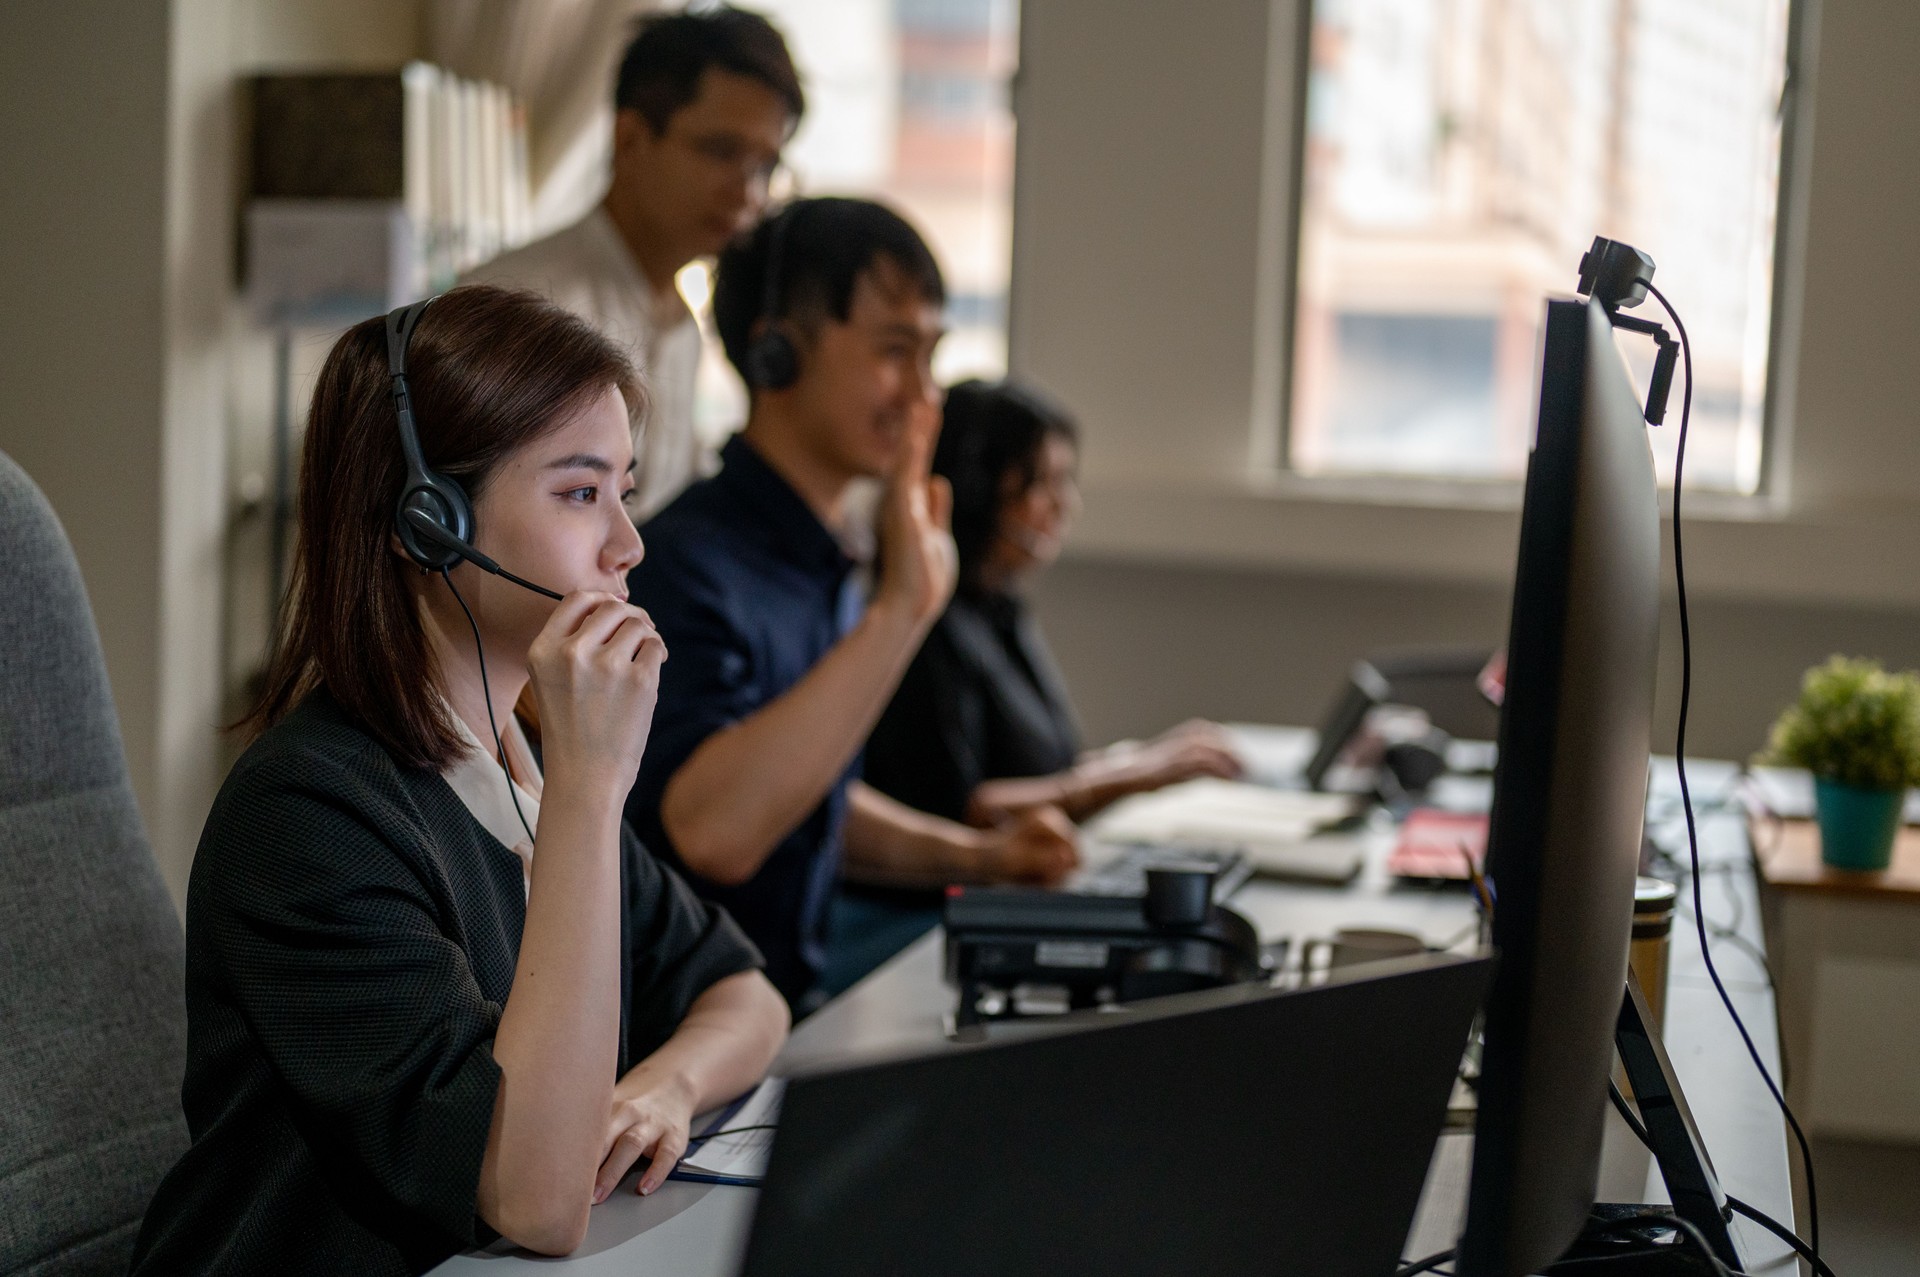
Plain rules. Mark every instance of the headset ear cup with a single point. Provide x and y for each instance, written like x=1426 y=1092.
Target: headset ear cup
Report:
x=443 y=501
x=773 y=362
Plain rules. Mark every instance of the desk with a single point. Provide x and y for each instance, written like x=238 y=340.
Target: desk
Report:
x=1847 y=949
x=693 y=1230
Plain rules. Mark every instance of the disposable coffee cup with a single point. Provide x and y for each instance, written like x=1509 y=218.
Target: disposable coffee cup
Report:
x=1653 y=902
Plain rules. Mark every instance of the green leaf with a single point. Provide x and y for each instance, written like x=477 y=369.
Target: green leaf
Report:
x=1854 y=723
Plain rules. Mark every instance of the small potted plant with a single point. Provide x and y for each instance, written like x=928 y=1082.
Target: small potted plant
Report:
x=1857 y=729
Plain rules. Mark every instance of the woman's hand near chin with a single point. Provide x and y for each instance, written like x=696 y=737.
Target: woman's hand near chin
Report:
x=595 y=671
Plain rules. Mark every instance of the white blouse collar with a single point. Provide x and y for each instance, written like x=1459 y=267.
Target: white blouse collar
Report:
x=482 y=786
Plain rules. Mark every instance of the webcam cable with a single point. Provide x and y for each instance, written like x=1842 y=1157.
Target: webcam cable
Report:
x=1686 y=796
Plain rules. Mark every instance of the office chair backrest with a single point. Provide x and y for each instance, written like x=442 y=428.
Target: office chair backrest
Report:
x=92 y=1017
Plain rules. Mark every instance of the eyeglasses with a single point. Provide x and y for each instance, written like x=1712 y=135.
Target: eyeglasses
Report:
x=728 y=151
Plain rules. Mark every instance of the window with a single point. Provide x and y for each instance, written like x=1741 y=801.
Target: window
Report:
x=1458 y=158
x=908 y=101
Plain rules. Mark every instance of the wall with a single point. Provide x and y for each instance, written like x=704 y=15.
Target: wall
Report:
x=118 y=132
x=1149 y=254
x=198 y=263
x=1146 y=645
x=83 y=396
x=309 y=35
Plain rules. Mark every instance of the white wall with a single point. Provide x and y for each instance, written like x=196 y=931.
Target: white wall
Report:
x=1146 y=293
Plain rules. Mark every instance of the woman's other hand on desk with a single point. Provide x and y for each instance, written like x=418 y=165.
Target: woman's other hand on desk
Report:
x=722 y=1048
x=651 y=1118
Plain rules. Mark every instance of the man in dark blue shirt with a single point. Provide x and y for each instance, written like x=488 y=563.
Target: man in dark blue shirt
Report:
x=778 y=666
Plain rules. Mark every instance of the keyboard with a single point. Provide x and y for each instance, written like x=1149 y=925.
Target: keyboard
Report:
x=1126 y=873
x=1330 y=859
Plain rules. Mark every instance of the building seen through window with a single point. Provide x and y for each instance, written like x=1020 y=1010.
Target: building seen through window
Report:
x=1459 y=157
x=907 y=102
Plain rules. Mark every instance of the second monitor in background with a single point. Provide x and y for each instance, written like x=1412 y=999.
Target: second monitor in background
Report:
x=1363 y=746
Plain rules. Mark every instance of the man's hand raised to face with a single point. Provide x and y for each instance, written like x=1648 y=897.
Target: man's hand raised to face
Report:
x=918 y=562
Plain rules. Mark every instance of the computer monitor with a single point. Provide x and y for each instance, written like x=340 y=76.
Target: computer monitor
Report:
x=1366 y=689
x=1441 y=682
x=1238 y=1132
x=1569 y=800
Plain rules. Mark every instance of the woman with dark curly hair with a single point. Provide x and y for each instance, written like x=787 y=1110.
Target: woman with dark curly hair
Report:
x=981 y=727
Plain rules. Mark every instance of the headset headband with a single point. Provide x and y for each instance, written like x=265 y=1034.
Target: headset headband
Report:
x=771 y=295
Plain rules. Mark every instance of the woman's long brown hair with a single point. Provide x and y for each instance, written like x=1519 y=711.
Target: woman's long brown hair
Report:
x=489 y=371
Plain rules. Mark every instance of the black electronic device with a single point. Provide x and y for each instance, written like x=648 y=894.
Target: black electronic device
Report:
x=1366 y=689
x=1617 y=276
x=772 y=360
x=1447 y=683
x=1127 y=873
x=1440 y=683
x=1569 y=795
x=1614 y=274
x=1009 y=947
x=1235 y=1132
x=434 y=517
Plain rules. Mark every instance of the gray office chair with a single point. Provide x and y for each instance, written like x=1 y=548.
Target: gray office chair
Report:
x=92 y=1017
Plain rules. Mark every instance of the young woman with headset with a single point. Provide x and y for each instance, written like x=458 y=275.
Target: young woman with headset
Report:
x=420 y=1015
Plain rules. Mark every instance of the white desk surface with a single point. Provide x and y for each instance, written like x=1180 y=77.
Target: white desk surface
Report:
x=699 y=1230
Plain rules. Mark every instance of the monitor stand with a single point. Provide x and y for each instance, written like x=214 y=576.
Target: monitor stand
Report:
x=1677 y=1149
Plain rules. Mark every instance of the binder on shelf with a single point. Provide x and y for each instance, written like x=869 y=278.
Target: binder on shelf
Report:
x=369 y=189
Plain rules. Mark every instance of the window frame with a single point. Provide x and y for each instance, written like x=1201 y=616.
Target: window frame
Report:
x=1290 y=81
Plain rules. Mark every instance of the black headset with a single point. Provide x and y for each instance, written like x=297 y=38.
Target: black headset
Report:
x=434 y=519
x=773 y=361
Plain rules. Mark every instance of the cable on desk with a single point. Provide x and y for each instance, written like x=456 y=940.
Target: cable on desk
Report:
x=1784 y=1233
x=1426 y=1265
x=1729 y=931
x=1627 y=1115
x=1676 y=869
x=1753 y=1213
x=1686 y=1234
x=1680 y=763
x=731 y=1130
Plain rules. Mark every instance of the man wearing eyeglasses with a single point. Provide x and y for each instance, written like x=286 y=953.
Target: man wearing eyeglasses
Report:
x=703 y=104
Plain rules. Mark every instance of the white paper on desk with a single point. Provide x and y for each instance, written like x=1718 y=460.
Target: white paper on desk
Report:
x=1214 y=812
x=744 y=1155
x=1788 y=792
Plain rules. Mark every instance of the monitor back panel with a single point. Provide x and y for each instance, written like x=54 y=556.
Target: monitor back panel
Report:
x=1569 y=795
x=1260 y=1132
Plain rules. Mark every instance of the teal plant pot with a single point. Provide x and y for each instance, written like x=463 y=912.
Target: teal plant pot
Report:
x=1857 y=826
